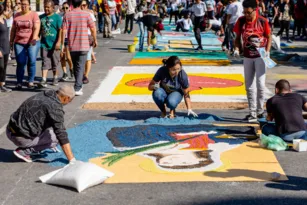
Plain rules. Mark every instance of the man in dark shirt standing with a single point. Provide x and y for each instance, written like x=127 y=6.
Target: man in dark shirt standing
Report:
x=286 y=109
x=38 y=124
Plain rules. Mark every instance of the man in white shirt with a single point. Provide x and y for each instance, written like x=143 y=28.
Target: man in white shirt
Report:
x=235 y=11
x=130 y=5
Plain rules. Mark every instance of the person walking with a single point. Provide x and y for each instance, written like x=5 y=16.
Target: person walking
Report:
x=65 y=55
x=131 y=5
x=107 y=26
x=26 y=42
x=76 y=24
x=51 y=24
x=255 y=32
x=199 y=10
x=285 y=16
x=4 y=51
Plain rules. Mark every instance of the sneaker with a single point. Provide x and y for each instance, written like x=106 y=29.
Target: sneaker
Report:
x=251 y=118
x=111 y=37
x=18 y=87
x=4 y=89
x=157 y=49
x=31 y=86
x=42 y=84
x=71 y=74
x=260 y=116
x=199 y=48
x=79 y=92
x=289 y=41
x=65 y=77
x=24 y=154
x=55 y=81
x=85 y=80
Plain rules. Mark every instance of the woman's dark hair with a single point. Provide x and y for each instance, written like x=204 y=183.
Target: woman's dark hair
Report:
x=1 y=9
x=171 y=61
x=76 y=3
x=65 y=3
x=27 y=1
x=250 y=4
x=4 y=4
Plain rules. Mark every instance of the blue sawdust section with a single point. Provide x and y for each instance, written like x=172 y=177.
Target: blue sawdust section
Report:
x=91 y=137
x=141 y=135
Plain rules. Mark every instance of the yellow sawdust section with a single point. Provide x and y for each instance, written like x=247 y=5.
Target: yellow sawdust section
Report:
x=248 y=162
x=290 y=76
x=123 y=89
x=158 y=61
x=180 y=44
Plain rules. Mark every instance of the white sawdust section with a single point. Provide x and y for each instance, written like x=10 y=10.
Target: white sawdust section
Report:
x=103 y=93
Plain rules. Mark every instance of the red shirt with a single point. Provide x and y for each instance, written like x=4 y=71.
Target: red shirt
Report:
x=76 y=23
x=254 y=34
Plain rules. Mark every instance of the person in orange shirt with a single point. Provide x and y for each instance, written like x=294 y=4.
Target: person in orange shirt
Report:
x=118 y=13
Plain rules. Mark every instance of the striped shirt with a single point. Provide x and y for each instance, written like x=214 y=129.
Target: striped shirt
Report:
x=76 y=23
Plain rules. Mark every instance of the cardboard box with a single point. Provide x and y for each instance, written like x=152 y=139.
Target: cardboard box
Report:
x=300 y=145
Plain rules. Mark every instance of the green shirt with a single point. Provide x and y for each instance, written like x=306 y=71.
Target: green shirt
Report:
x=50 y=27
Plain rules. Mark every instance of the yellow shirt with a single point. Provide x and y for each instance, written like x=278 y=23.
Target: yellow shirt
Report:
x=99 y=2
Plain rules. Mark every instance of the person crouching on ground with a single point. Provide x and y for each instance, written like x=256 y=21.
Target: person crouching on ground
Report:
x=184 y=24
x=286 y=109
x=38 y=124
x=169 y=85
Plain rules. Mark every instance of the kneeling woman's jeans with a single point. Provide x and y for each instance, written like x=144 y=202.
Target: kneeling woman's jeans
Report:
x=270 y=129
x=171 y=100
x=26 y=55
x=142 y=35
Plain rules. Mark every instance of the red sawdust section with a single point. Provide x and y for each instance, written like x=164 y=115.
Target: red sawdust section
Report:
x=196 y=82
x=200 y=142
x=152 y=106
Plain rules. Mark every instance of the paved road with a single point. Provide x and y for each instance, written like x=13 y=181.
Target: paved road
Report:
x=19 y=181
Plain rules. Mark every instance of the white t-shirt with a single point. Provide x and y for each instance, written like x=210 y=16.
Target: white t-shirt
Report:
x=210 y=4
x=215 y=22
x=199 y=9
x=187 y=23
x=94 y=19
x=235 y=9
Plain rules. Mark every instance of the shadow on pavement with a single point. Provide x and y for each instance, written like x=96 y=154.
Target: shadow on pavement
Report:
x=7 y=155
x=242 y=200
x=294 y=183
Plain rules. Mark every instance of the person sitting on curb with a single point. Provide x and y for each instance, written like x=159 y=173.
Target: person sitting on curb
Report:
x=38 y=124
x=169 y=85
x=286 y=109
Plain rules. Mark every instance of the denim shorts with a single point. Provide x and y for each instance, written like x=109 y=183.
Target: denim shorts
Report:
x=89 y=54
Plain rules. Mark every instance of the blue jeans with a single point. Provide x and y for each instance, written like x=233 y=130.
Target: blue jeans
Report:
x=100 y=22
x=270 y=129
x=113 y=19
x=171 y=100
x=142 y=35
x=26 y=55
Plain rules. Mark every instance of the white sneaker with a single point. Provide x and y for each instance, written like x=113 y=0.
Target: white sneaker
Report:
x=79 y=92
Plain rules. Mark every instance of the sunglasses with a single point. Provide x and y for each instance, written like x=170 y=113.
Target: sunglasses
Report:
x=83 y=4
x=65 y=8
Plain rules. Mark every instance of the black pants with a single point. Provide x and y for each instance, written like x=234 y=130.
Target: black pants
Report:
x=181 y=27
x=129 y=18
x=284 y=25
x=300 y=26
x=198 y=20
x=173 y=13
x=100 y=22
x=3 y=65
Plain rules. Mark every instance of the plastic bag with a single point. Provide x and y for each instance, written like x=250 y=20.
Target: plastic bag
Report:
x=273 y=142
